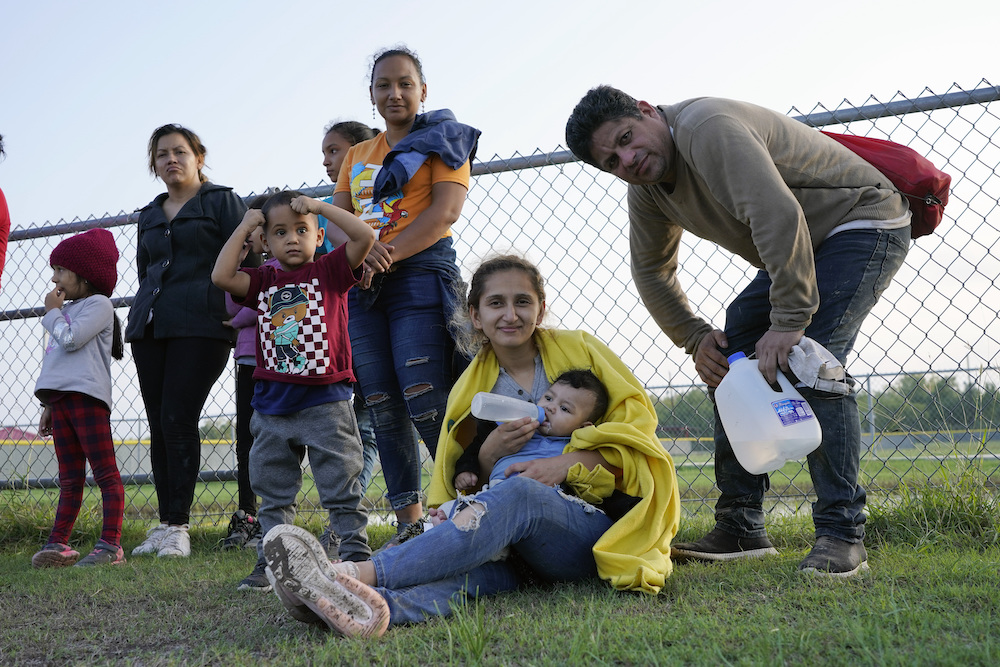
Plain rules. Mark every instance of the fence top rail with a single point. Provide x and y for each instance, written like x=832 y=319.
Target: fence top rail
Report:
x=39 y=311
x=818 y=119
x=320 y=191
x=901 y=107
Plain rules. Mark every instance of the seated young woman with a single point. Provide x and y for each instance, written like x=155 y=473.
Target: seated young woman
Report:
x=549 y=513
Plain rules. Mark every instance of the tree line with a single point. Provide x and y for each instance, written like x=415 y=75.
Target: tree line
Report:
x=912 y=402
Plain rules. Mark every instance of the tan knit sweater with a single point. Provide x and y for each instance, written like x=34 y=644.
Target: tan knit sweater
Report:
x=762 y=185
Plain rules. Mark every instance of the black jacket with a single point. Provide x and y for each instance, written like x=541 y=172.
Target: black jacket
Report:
x=175 y=261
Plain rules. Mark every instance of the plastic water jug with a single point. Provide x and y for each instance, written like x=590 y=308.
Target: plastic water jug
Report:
x=497 y=408
x=766 y=428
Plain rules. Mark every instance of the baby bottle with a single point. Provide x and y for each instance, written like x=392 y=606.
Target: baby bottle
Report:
x=766 y=428
x=497 y=408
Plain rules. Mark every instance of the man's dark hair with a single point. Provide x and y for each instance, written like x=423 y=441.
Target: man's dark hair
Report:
x=581 y=378
x=597 y=107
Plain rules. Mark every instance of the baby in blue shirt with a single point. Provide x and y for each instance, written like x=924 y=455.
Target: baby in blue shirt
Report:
x=575 y=399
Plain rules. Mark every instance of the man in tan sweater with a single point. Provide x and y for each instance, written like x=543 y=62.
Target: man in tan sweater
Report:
x=827 y=232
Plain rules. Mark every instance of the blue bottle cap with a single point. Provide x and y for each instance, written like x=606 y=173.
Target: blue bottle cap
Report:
x=736 y=357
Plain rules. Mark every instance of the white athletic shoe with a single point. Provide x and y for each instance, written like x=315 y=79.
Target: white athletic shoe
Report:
x=154 y=536
x=299 y=564
x=292 y=603
x=175 y=543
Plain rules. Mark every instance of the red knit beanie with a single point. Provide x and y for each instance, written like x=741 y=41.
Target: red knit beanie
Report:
x=91 y=255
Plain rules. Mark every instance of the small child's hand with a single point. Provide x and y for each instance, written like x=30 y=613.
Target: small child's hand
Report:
x=252 y=219
x=466 y=480
x=54 y=299
x=303 y=204
x=45 y=422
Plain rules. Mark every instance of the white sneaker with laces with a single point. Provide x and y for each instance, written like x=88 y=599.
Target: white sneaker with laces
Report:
x=176 y=543
x=154 y=536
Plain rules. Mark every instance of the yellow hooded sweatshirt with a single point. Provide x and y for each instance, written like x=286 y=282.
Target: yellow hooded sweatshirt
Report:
x=634 y=553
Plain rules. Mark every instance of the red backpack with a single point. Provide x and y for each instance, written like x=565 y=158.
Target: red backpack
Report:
x=925 y=186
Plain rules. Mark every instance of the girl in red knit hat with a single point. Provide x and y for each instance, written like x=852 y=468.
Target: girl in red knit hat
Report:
x=74 y=387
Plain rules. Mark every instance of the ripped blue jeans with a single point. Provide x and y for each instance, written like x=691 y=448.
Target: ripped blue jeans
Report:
x=403 y=359
x=552 y=534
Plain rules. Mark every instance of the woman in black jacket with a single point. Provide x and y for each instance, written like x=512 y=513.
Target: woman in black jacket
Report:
x=179 y=343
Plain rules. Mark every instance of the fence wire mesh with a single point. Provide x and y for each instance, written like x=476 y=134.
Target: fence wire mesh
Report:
x=926 y=357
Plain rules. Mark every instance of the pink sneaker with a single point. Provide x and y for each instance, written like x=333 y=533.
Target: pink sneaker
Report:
x=103 y=554
x=55 y=554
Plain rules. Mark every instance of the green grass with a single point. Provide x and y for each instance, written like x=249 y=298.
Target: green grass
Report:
x=882 y=473
x=214 y=501
x=930 y=599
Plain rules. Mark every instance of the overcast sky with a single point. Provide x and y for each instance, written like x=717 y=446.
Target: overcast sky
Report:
x=84 y=84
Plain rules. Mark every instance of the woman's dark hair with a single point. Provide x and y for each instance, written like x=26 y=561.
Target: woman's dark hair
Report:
x=504 y=263
x=2 y=153
x=581 y=378
x=597 y=107
x=117 y=342
x=398 y=50
x=258 y=202
x=351 y=130
x=468 y=339
x=172 y=128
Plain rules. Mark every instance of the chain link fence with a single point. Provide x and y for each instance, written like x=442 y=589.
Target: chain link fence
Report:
x=926 y=357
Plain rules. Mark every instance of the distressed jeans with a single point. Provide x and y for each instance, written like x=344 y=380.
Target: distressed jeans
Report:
x=554 y=535
x=403 y=359
x=853 y=268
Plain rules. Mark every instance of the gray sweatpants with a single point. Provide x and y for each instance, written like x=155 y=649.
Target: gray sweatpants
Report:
x=329 y=433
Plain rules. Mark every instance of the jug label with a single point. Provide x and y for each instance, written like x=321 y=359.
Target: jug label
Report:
x=791 y=411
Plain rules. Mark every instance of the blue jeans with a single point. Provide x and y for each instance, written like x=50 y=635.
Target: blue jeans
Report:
x=553 y=535
x=403 y=359
x=368 y=447
x=853 y=268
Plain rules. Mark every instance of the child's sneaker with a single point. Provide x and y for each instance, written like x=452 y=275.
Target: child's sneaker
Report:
x=256 y=580
x=404 y=533
x=175 y=542
x=243 y=529
x=154 y=536
x=103 y=554
x=55 y=554
x=330 y=541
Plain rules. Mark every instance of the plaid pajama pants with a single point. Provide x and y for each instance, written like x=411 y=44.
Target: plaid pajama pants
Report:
x=81 y=432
